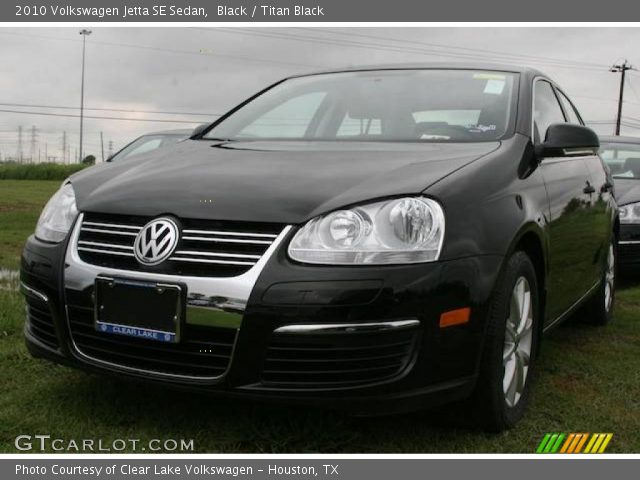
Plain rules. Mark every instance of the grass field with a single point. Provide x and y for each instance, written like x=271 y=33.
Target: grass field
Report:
x=38 y=171
x=588 y=381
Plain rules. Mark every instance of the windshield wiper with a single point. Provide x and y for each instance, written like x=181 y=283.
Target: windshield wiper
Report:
x=215 y=139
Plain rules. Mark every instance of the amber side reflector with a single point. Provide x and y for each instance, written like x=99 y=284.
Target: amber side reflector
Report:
x=455 y=317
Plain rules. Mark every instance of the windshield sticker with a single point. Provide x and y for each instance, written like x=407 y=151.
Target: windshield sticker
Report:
x=494 y=87
x=482 y=128
x=427 y=136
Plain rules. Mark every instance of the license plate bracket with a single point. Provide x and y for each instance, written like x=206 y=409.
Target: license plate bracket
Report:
x=141 y=309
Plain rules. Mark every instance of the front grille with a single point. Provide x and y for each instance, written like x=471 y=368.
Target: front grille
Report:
x=203 y=352
x=206 y=248
x=40 y=323
x=337 y=360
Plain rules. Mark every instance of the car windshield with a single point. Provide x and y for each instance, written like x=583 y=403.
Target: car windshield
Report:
x=623 y=159
x=147 y=143
x=383 y=105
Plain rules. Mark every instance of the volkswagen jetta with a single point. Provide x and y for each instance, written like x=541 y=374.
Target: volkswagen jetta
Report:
x=378 y=238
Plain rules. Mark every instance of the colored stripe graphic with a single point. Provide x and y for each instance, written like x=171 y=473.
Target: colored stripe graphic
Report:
x=606 y=441
x=543 y=443
x=582 y=442
x=558 y=443
x=574 y=443
x=568 y=442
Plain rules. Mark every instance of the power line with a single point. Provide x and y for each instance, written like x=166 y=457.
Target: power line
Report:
x=390 y=48
x=68 y=115
x=635 y=94
x=200 y=53
x=453 y=47
x=60 y=107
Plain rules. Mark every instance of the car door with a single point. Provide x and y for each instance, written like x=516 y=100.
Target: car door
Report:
x=599 y=230
x=569 y=186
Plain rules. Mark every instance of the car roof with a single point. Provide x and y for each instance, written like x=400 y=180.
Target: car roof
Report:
x=619 y=139
x=431 y=66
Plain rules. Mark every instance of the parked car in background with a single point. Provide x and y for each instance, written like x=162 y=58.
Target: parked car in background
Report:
x=380 y=239
x=149 y=142
x=622 y=155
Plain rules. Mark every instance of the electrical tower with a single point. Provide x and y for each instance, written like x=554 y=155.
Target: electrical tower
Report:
x=20 y=153
x=110 y=152
x=65 y=146
x=32 y=143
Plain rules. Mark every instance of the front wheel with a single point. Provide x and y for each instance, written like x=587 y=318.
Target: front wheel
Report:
x=504 y=384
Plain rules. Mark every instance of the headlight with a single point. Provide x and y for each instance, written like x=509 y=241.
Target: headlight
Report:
x=630 y=213
x=58 y=215
x=403 y=230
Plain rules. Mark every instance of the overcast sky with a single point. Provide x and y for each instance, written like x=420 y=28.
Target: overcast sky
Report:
x=208 y=70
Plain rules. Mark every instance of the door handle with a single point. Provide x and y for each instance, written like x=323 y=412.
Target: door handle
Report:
x=588 y=189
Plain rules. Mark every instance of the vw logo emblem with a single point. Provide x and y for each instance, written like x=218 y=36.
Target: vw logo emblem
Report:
x=156 y=241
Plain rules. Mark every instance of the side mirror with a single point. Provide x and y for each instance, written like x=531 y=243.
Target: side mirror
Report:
x=566 y=140
x=199 y=129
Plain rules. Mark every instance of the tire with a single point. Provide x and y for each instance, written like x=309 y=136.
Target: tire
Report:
x=504 y=382
x=599 y=309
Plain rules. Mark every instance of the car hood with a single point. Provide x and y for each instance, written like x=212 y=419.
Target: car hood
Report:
x=284 y=182
x=627 y=190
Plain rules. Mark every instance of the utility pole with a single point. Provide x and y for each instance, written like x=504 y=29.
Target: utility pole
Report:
x=620 y=68
x=84 y=32
x=102 y=146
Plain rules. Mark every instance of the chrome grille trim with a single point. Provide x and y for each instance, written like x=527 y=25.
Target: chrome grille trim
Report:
x=216 y=262
x=108 y=252
x=112 y=225
x=207 y=254
x=233 y=249
x=228 y=240
x=106 y=245
x=111 y=232
x=231 y=234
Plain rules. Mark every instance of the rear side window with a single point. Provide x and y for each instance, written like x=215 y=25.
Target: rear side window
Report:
x=546 y=108
x=569 y=109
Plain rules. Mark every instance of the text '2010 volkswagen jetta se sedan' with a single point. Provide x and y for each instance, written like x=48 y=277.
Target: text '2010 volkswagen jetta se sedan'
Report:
x=377 y=239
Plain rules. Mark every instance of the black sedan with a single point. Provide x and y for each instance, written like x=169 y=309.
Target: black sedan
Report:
x=378 y=239
x=622 y=155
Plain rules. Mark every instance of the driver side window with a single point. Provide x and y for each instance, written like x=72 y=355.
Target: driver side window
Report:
x=546 y=109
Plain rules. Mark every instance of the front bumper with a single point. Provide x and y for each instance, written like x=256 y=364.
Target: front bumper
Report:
x=353 y=310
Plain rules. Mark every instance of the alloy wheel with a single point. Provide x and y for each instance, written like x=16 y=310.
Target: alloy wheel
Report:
x=610 y=277
x=517 y=342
